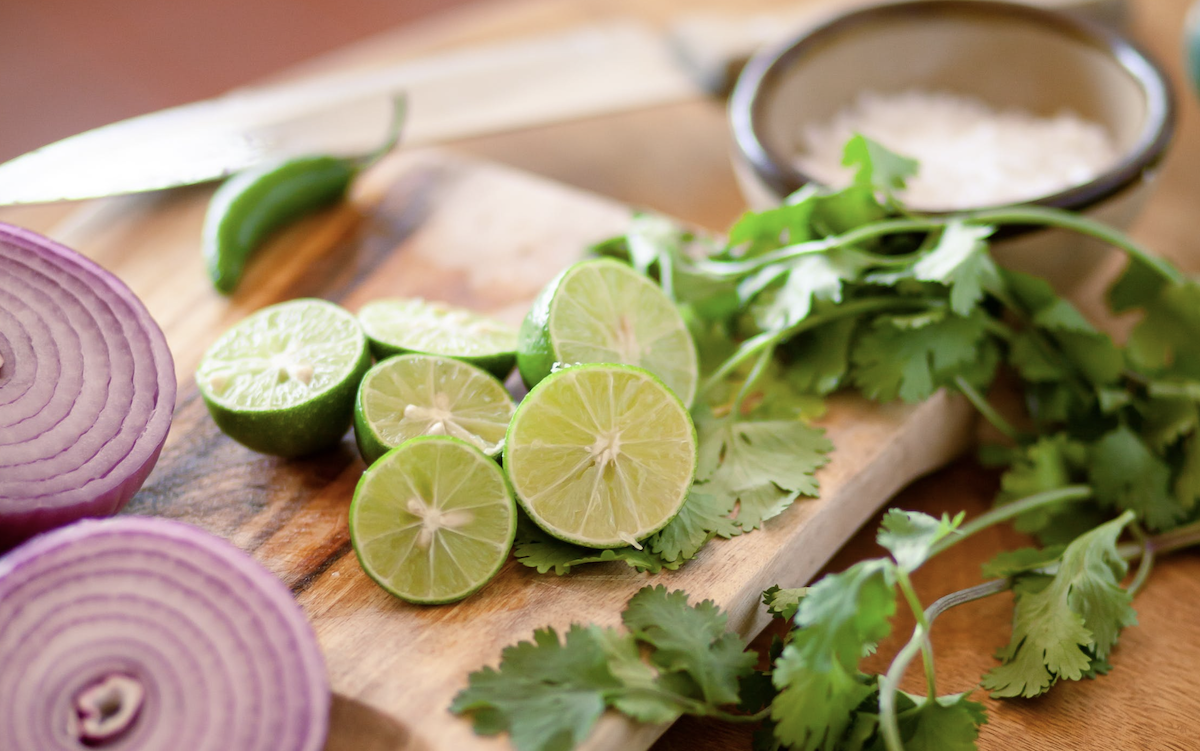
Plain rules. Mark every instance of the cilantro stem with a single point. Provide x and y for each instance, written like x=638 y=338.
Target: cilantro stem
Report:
x=1008 y=511
x=810 y=247
x=918 y=611
x=772 y=339
x=699 y=708
x=1177 y=539
x=1048 y=217
x=986 y=409
x=666 y=274
x=756 y=372
x=1044 y=343
x=890 y=683
x=1145 y=565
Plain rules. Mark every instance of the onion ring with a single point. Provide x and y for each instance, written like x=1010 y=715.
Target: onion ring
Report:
x=87 y=388
x=141 y=634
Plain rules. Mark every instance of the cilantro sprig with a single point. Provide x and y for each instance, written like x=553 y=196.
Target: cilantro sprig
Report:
x=674 y=658
x=677 y=658
x=848 y=289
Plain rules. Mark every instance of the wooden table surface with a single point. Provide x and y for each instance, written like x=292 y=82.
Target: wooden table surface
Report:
x=674 y=159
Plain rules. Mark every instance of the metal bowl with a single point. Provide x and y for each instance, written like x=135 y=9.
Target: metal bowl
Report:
x=1008 y=55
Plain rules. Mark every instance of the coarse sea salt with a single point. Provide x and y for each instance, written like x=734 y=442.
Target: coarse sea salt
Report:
x=970 y=154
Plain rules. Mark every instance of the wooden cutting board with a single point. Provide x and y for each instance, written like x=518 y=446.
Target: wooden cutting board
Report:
x=434 y=225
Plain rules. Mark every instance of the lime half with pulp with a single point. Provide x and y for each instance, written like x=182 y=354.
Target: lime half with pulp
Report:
x=601 y=455
x=433 y=520
x=282 y=381
x=398 y=326
x=604 y=311
x=411 y=395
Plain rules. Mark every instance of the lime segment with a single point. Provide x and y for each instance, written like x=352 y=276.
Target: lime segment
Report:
x=397 y=326
x=601 y=455
x=433 y=520
x=411 y=395
x=282 y=381
x=604 y=311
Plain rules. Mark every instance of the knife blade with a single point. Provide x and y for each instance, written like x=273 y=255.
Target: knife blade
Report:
x=602 y=68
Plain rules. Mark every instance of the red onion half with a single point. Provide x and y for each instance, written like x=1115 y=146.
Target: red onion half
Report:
x=145 y=634
x=87 y=388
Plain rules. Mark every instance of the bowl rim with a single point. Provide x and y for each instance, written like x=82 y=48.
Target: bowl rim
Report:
x=765 y=69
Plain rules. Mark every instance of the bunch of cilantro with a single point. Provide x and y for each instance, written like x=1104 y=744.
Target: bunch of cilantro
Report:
x=848 y=289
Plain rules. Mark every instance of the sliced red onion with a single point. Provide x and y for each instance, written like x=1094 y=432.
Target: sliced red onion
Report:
x=144 y=634
x=87 y=388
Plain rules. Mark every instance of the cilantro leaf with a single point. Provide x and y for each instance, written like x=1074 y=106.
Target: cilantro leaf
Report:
x=892 y=359
x=842 y=618
x=546 y=694
x=818 y=359
x=846 y=209
x=1166 y=337
x=1168 y=419
x=756 y=691
x=702 y=517
x=1051 y=462
x=1081 y=349
x=536 y=549
x=690 y=639
x=784 y=603
x=762 y=231
x=1042 y=304
x=1029 y=356
x=949 y=723
x=910 y=535
x=704 y=298
x=961 y=261
x=760 y=463
x=878 y=167
x=1137 y=285
x=1012 y=562
x=1128 y=475
x=776 y=396
x=1061 y=623
x=639 y=697
x=806 y=280
x=760 y=503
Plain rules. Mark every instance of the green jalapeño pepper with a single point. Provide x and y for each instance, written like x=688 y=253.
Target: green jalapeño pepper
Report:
x=252 y=204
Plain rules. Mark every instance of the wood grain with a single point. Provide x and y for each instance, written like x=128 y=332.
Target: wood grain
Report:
x=487 y=237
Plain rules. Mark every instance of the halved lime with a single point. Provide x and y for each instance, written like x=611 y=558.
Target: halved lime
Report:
x=601 y=455
x=603 y=311
x=282 y=381
x=397 y=326
x=411 y=395
x=433 y=520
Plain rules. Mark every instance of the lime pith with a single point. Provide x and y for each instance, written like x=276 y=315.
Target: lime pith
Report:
x=601 y=455
x=433 y=520
x=398 y=326
x=282 y=381
x=411 y=395
x=604 y=311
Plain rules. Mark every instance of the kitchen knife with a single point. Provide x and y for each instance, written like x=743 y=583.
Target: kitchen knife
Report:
x=599 y=69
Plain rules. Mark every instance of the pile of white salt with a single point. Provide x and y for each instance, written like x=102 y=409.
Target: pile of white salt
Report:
x=970 y=154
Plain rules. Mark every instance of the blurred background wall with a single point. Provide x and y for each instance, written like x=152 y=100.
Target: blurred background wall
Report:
x=71 y=65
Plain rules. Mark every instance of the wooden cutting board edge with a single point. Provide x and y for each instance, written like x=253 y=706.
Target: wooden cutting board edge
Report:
x=898 y=443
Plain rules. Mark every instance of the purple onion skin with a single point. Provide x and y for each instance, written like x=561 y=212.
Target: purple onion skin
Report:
x=27 y=505
x=222 y=656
